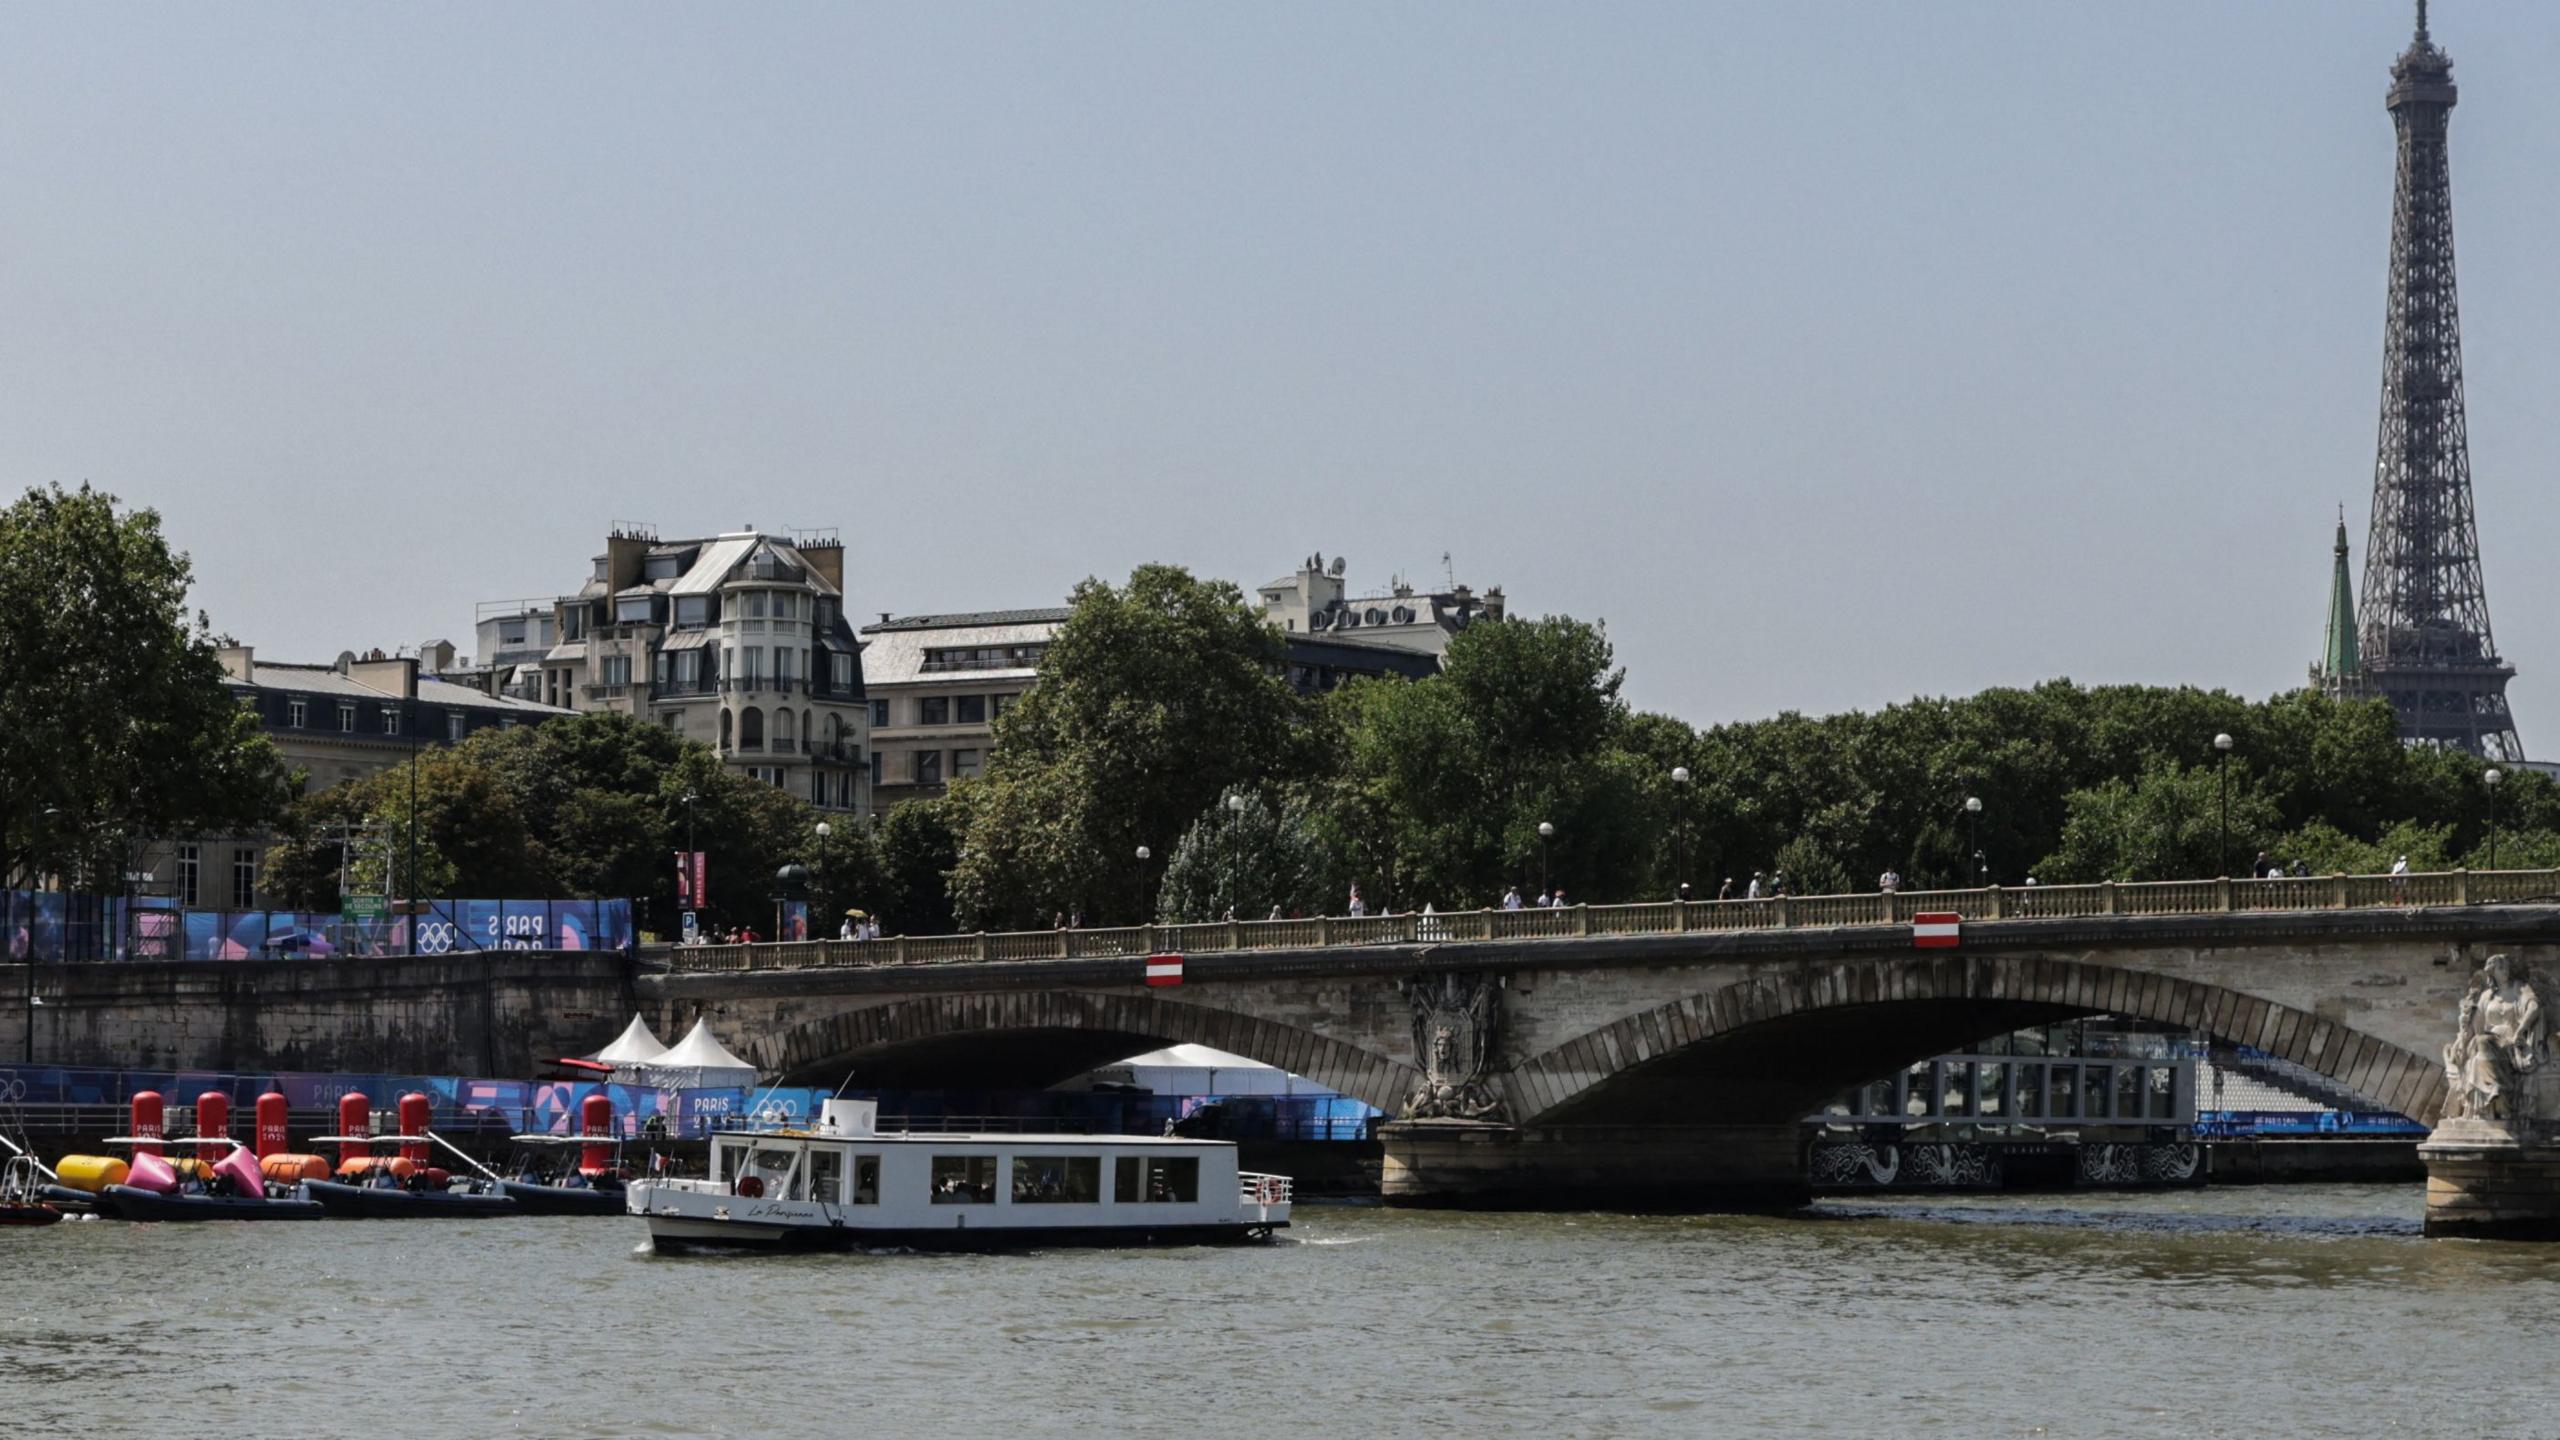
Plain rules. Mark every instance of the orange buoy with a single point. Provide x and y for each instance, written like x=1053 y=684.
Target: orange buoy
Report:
x=400 y=1167
x=286 y=1168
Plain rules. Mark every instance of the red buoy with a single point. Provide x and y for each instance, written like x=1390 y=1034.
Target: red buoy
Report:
x=213 y=1122
x=415 y=1110
x=595 y=1117
x=271 y=1125
x=147 y=1116
x=355 y=1117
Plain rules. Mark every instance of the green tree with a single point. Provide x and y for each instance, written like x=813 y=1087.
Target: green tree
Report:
x=120 y=730
x=2164 y=825
x=1154 y=697
x=1252 y=859
x=917 y=845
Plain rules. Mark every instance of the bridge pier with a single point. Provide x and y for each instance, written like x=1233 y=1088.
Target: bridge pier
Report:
x=1458 y=1164
x=2484 y=1183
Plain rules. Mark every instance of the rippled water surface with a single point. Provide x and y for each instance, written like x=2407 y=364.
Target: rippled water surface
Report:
x=2242 y=1312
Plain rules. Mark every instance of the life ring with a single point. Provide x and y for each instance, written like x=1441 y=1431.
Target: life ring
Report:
x=1266 y=1191
x=749 y=1187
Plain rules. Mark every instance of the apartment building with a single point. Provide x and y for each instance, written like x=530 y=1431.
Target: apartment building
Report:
x=936 y=684
x=737 y=640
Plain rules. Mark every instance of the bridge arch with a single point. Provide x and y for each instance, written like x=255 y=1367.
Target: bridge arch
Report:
x=1768 y=1049
x=1040 y=1037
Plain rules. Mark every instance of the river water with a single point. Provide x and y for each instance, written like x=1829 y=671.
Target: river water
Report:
x=2308 y=1311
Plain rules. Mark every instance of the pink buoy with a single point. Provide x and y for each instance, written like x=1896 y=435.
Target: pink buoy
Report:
x=152 y=1173
x=213 y=1123
x=595 y=1117
x=415 y=1111
x=246 y=1178
x=148 y=1115
x=272 y=1118
x=355 y=1117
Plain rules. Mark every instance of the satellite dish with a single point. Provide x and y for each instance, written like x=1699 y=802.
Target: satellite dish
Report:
x=346 y=658
x=1337 y=567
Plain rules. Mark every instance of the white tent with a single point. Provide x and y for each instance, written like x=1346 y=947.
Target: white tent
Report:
x=1199 y=1070
x=636 y=1045
x=698 y=1061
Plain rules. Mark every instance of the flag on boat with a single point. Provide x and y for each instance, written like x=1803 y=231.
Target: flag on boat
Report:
x=1936 y=929
x=1164 y=969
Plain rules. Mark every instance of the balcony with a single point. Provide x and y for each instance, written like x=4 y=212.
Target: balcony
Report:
x=684 y=690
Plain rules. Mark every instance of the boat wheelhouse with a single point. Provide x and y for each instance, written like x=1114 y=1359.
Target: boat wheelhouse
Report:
x=843 y=1185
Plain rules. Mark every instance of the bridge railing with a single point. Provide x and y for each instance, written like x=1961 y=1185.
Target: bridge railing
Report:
x=1990 y=904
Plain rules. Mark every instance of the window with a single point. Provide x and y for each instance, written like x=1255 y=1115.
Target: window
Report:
x=825 y=1180
x=755 y=603
x=928 y=767
x=879 y=769
x=970 y=709
x=817 y=787
x=786 y=606
x=999 y=704
x=189 y=865
x=390 y=720
x=724 y=729
x=632 y=610
x=1057 y=1179
x=346 y=717
x=1158 y=1181
x=573 y=623
x=753 y=658
x=879 y=713
x=454 y=724
x=617 y=670
x=964 y=763
x=693 y=611
x=782 y=667
x=866 y=1181
x=782 y=730
x=964 y=1179
x=296 y=712
x=751 y=727
x=244 y=879
x=934 y=710
x=839 y=670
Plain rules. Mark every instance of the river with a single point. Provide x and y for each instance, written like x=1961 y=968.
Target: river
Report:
x=2309 y=1311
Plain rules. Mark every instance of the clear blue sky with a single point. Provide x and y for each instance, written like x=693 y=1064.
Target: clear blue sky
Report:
x=1831 y=353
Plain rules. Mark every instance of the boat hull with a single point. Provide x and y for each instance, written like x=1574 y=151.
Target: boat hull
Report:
x=372 y=1202
x=124 y=1202
x=675 y=1235
x=556 y=1200
x=24 y=1213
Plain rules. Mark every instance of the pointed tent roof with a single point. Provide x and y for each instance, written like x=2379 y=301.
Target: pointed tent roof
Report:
x=636 y=1045
x=698 y=1059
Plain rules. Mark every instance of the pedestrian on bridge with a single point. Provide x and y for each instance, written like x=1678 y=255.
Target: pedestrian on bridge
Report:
x=1511 y=898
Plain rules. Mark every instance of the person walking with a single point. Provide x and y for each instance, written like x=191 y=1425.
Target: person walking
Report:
x=1511 y=898
x=1357 y=906
x=1725 y=891
x=1758 y=890
x=1888 y=882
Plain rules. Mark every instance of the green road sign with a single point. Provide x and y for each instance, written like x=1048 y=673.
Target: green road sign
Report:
x=363 y=907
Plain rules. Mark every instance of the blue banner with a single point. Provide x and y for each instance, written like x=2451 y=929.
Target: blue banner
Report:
x=54 y=927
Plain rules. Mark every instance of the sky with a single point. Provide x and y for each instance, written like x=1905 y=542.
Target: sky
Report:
x=1830 y=354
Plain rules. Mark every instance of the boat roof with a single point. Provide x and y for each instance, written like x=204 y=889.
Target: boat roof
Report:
x=170 y=1140
x=547 y=1138
x=963 y=1137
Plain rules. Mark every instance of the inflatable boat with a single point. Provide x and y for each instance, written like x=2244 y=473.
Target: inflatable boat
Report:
x=465 y=1200
x=127 y=1202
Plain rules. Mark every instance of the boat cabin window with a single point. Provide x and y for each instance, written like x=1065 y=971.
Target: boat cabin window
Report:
x=1057 y=1179
x=1153 y=1180
x=774 y=1164
x=825 y=1179
x=866 y=1180
x=964 y=1179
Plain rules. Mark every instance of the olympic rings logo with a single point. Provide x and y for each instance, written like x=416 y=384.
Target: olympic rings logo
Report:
x=435 y=937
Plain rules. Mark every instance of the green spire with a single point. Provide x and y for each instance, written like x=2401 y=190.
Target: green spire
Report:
x=2338 y=659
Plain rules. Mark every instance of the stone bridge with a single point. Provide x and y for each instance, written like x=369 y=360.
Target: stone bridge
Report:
x=1661 y=1069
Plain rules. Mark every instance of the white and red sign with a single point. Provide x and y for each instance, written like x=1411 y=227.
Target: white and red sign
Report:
x=1937 y=929
x=1164 y=969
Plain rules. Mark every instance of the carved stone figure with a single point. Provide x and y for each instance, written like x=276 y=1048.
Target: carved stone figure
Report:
x=2497 y=1067
x=1455 y=1021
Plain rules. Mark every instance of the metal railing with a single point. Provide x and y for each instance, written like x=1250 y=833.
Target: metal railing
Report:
x=1785 y=912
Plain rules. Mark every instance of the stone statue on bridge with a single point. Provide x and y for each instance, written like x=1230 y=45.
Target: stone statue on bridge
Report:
x=1455 y=1020
x=2498 y=1070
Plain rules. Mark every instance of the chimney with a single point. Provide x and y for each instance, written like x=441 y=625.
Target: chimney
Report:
x=240 y=663
x=395 y=676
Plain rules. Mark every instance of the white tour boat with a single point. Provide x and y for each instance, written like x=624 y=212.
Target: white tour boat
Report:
x=843 y=1185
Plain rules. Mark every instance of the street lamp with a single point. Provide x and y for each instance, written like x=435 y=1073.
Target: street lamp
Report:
x=1144 y=855
x=688 y=894
x=1679 y=832
x=1546 y=832
x=2491 y=779
x=822 y=830
x=2222 y=766
x=1235 y=852
x=1973 y=834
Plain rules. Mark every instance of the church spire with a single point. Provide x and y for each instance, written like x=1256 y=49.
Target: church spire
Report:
x=2340 y=671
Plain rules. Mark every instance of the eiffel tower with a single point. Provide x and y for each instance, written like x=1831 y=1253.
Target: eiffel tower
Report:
x=2424 y=620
